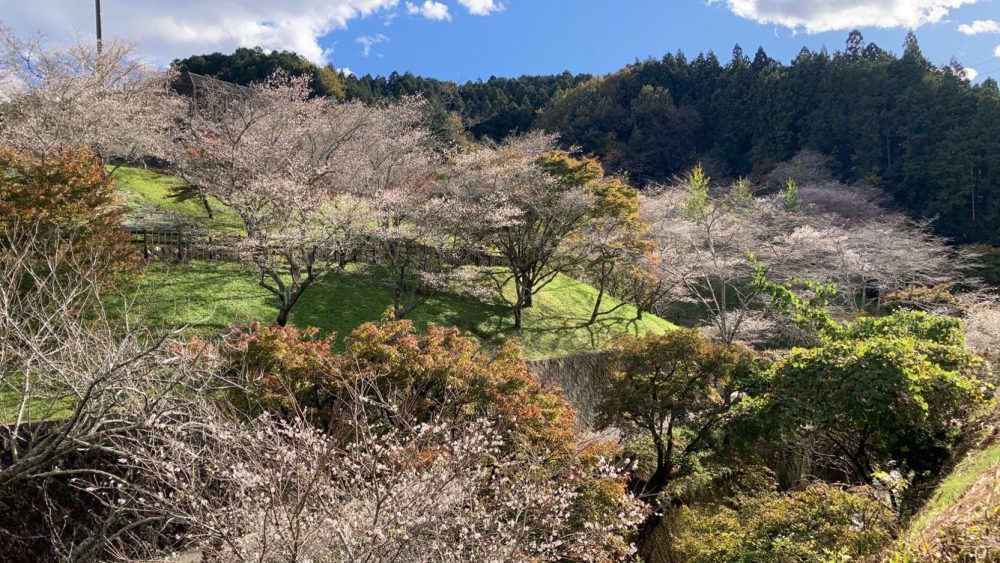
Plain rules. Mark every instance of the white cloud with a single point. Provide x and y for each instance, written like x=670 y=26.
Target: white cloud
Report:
x=429 y=9
x=482 y=7
x=817 y=16
x=980 y=26
x=996 y=52
x=970 y=74
x=10 y=85
x=369 y=41
x=179 y=28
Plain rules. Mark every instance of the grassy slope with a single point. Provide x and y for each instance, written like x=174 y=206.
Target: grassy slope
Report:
x=966 y=499
x=146 y=196
x=954 y=487
x=36 y=409
x=211 y=296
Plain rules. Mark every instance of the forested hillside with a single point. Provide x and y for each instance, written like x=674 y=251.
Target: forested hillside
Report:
x=923 y=133
x=247 y=66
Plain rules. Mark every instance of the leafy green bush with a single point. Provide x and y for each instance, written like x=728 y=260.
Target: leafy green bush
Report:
x=877 y=392
x=892 y=390
x=817 y=524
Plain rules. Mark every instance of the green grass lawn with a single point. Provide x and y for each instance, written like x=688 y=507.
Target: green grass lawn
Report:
x=36 y=409
x=148 y=202
x=211 y=296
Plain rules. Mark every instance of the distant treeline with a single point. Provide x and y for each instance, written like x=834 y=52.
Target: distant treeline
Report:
x=923 y=133
x=492 y=109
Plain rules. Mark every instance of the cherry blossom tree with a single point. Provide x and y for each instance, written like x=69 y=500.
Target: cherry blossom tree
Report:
x=982 y=330
x=845 y=235
x=300 y=173
x=412 y=233
x=272 y=490
x=110 y=100
x=824 y=231
x=613 y=262
x=77 y=377
x=705 y=239
x=523 y=211
x=647 y=281
x=406 y=447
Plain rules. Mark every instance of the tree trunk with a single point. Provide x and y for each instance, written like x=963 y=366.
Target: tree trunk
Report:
x=646 y=540
x=397 y=291
x=208 y=208
x=285 y=304
x=658 y=480
x=597 y=305
x=526 y=294
x=664 y=463
x=283 y=311
x=650 y=490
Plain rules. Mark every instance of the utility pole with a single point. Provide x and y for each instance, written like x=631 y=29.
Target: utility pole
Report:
x=100 y=38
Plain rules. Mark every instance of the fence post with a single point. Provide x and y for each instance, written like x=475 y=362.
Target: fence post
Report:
x=181 y=248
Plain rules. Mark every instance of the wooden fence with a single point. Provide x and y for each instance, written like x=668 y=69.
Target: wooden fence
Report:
x=180 y=246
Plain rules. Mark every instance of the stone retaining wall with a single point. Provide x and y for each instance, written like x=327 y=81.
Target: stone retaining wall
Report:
x=581 y=377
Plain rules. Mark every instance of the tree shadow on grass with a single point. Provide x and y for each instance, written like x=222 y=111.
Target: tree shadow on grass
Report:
x=211 y=297
x=683 y=312
x=205 y=296
x=568 y=335
x=344 y=300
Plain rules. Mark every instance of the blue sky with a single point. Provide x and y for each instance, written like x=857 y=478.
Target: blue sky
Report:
x=470 y=39
x=595 y=36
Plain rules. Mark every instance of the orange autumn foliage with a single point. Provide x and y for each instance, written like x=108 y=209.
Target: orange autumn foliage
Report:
x=438 y=374
x=68 y=190
x=65 y=197
x=405 y=381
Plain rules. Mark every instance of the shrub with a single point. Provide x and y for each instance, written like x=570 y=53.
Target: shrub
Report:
x=445 y=373
x=288 y=371
x=819 y=523
x=68 y=191
x=878 y=400
x=280 y=370
x=67 y=202
x=876 y=392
